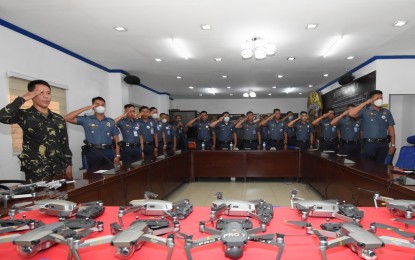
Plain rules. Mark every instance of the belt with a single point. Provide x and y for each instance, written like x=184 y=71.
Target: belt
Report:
x=250 y=141
x=350 y=141
x=102 y=146
x=303 y=141
x=125 y=144
x=376 y=140
x=224 y=142
x=277 y=140
x=329 y=140
x=149 y=142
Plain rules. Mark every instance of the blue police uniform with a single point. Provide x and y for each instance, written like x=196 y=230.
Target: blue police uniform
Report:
x=292 y=138
x=158 y=129
x=170 y=134
x=350 y=136
x=250 y=137
x=224 y=135
x=99 y=136
x=147 y=131
x=303 y=131
x=328 y=140
x=130 y=145
x=204 y=134
x=276 y=134
x=181 y=136
x=375 y=132
x=264 y=134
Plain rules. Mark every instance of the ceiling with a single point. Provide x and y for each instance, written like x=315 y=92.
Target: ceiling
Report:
x=86 y=27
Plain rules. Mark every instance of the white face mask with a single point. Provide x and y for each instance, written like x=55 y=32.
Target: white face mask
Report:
x=226 y=119
x=155 y=116
x=290 y=118
x=164 y=120
x=378 y=102
x=100 y=110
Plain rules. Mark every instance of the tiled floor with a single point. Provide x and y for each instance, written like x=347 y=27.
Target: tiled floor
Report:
x=201 y=193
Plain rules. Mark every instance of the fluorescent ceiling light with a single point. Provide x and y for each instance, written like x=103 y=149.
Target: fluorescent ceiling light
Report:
x=231 y=94
x=300 y=93
x=326 y=75
x=274 y=86
x=269 y=94
x=218 y=59
x=120 y=29
x=280 y=76
x=311 y=26
x=399 y=23
x=228 y=87
x=224 y=76
x=288 y=90
x=158 y=59
x=291 y=58
x=179 y=77
x=180 y=49
x=310 y=86
x=191 y=87
x=246 y=94
x=206 y=27
x=212 y=91
x=333 y=46
x=350 y=58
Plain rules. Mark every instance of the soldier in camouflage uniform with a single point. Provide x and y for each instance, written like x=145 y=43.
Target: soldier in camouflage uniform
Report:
x=46 y=154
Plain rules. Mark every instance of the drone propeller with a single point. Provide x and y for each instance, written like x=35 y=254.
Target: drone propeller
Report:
x=370 y=191
x=394 y=229
x=406 y=221
x=299 y=223
x=8 y=238
x=262 y=237
x=324 y=233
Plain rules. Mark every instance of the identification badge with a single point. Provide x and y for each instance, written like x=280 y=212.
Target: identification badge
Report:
x=152 y=131
x=135 y=133
x=168 y=132
x=356 y=129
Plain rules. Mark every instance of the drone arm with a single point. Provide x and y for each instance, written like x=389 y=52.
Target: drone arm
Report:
x=96 y=241
x=340 y=241
x=122 y=212
x=262 y=228
x=217 y=210
x=343 y=217
x=204 y=229
x=189 y=243
x=8 y=238
x=268 y=239
x=396 y=241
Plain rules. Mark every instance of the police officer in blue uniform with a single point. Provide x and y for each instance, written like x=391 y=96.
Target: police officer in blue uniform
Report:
x=239 y=133
x=304 y=131
x=264 y=129
x=168 y=135
x=328 y=132
x=252 y=134
x=204 y=131
x=132 y=139
x=224 y=133
x=101 y=135
x=276 y=128
x=150 y=139
x=289 y=131
x=377 y=127
x=349 y=132
x=180 y=130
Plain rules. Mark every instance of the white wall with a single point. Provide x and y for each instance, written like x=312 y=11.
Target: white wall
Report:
x=22 y=55
x=239 y=106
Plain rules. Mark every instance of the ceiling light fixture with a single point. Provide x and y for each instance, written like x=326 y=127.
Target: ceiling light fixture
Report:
x=269 y=94
x=120 y=29
x=224 y=76
x=399 y=23
x=257 y=47
x=291 y=58
x=326 y=75
x=228 y=87
x=274 y=86
x=191 y=87
x=300 y=93
x=179 y=77
x=333 y=46
x=180 y=49
x=311 y=26
x=231 y=94
x=212 y=91
x=289 y=89
x=218 y=59
x=310 y=86
x=158 y=60
x=350 y=58
x=280 y=76
x=206 y=27
x=250 y=93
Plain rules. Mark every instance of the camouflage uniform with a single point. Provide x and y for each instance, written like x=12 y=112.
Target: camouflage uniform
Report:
x=46 y=152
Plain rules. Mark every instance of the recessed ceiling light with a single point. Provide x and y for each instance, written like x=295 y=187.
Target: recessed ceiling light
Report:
x=311 y=26
x=300 y=93
x=191 y=87
x=120 y=29
x=274 y=86
x=280 y=76
x=158 y=59
x=228 y=87
x=180 y=48
x=350 y=58
x=269 y=94
x=206 y=27
x=310 y=86
x=291 y=58
x=218 y=59
x=325 y=75
x=179 y=77
x=399 y=23
x=231 y=94
x=200 y=94
x=224 y=76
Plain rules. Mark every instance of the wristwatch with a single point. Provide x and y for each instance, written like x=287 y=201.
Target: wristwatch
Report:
x=118 y=155
x=392 y=145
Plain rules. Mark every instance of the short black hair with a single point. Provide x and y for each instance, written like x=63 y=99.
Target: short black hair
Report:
x=152 y=108
x=249 y=112
x=290 y=112
x=179 y=115
x=98 y=98
x=128 y=106
x=331 y=109
x=203 y=112
x=374 y=92
x=303 y=112
x=142 y=108
x=350 y=105
x=226 y=112
x=242 y=115
x=32 y=84
x=162 y=114
x=276 y=109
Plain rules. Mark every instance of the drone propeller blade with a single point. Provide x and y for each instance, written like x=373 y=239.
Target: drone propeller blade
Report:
x=97 y=241
x=371 y=191
x=394 y=229
x=406 y=221
x=325 y=233
x=299 y=223
x=397 y=241
x=8 y=238
x=262 y=237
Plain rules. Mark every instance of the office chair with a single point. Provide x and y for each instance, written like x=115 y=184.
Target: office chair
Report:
x=406 y=160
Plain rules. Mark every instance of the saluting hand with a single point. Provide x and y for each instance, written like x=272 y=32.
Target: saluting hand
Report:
x=30 y=95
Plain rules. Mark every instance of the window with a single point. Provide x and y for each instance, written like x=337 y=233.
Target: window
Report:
x=18 y=87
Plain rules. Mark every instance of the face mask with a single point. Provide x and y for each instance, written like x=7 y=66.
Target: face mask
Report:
x=164 y=120
x=290 y=118
x=378 y=102
x=100 y=110
x=155 y=116
x=226 y=119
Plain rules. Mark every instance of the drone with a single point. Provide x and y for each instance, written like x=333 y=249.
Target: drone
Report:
x=126 y=242
x=234 y=234
x=152 y=207
x=403 y=208
x=257 y=209
x=363 y=242
x=69 y=232
x=325 y=208
x=9 y=225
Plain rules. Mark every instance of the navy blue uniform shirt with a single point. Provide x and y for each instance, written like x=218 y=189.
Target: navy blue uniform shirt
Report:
x=130 y=130
x=98 y=132
x=375 y=123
